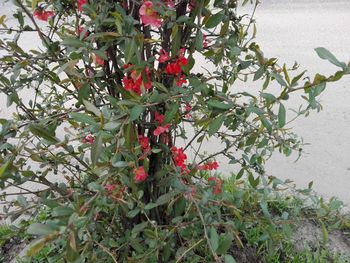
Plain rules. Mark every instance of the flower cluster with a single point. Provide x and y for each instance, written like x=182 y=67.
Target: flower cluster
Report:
x=80 y=4
x=217 y=184
x=43 y=15
x=149 y=17
x=146 y=148
x=134 y=80
x=159 y=118
x=175 y=68
x=88 y=139
x=209 y=166
x=140 y=174
x=179 y=157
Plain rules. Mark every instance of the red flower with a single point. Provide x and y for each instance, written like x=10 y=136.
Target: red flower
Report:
x=209 y=166
x=181 y=80
x=140 y=175
x=188 y=107
x=173 y=69
x=163 y=56
x=97 y=60
x=217 y=186
x=110 y=187
x=179 y=157
x=88 y=139
x=134 y=80
x=144 y=142
x=80 y=4
x=149 y=17
x=81 y=30
x=43 y=15
x=161 y=129
x=159 y=117
x=169 y=3
x=205 y=41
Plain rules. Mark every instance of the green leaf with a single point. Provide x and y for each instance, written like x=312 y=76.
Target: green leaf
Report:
x=214 y=238
x=253 y=182
x=327 y=55
x=214 y=20
x=82 y=117
x=225 y=243
x=139 y=227
x=279 y=79
x=281 y=116
x=4 y=168
x=62 y=211
x=96 y=150
x=165 y=198
x=324 y=232
x=130 y=48
x=136 y=112
x=43 y=133
x=199 y=41
x=170 y=114
x=40 y=229
x=218 y=104
x=36 y=247
x=266 y=124
x=215 y=125
x=229 y=259
x=92 y=108
x=73 y=42
x=119 y=164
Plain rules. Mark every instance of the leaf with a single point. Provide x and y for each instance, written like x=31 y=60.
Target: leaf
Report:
x=229 y=259
x=165 y=198
x=96 y=150
x=218 y=104
x=253 y=182
x=136 y=112
x=82 y=117
x=43 y=133
x=327 y=55
x=40 y=229
x=279 y=79
x=91 y=107
x=266 y=124
x=36 y=247
x=214 y=20
x=324 y=232
x=22 y=201
x=130 y=48
x=215 y=125
x=62 y=211
x=199 y=41
x=139 y=227
x=4 y=168
x=281 y=116
x=170 y=114
x=119 y=164
x=225 y=243
x=72 y=42
x=214 y=238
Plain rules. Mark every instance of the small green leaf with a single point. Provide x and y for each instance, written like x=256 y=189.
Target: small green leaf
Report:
x=219 y=105
x=165 y=198
x=229 y=259
x=327 y=55
x=96 y=150
x=214 y=238
x=214 y=20
x=136 y=112
x=92 y=108
x=4 y=168
x=82 y=117
x=43 y=133
x=130 y=48
x=215 y=125
x=199 y=41
x=266 y=124
x=281 y=116
x=40 y=229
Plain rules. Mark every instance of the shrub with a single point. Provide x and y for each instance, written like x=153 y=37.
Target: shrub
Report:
x=125 y=96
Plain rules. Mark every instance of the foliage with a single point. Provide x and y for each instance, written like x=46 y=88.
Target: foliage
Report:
x=121 y=113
